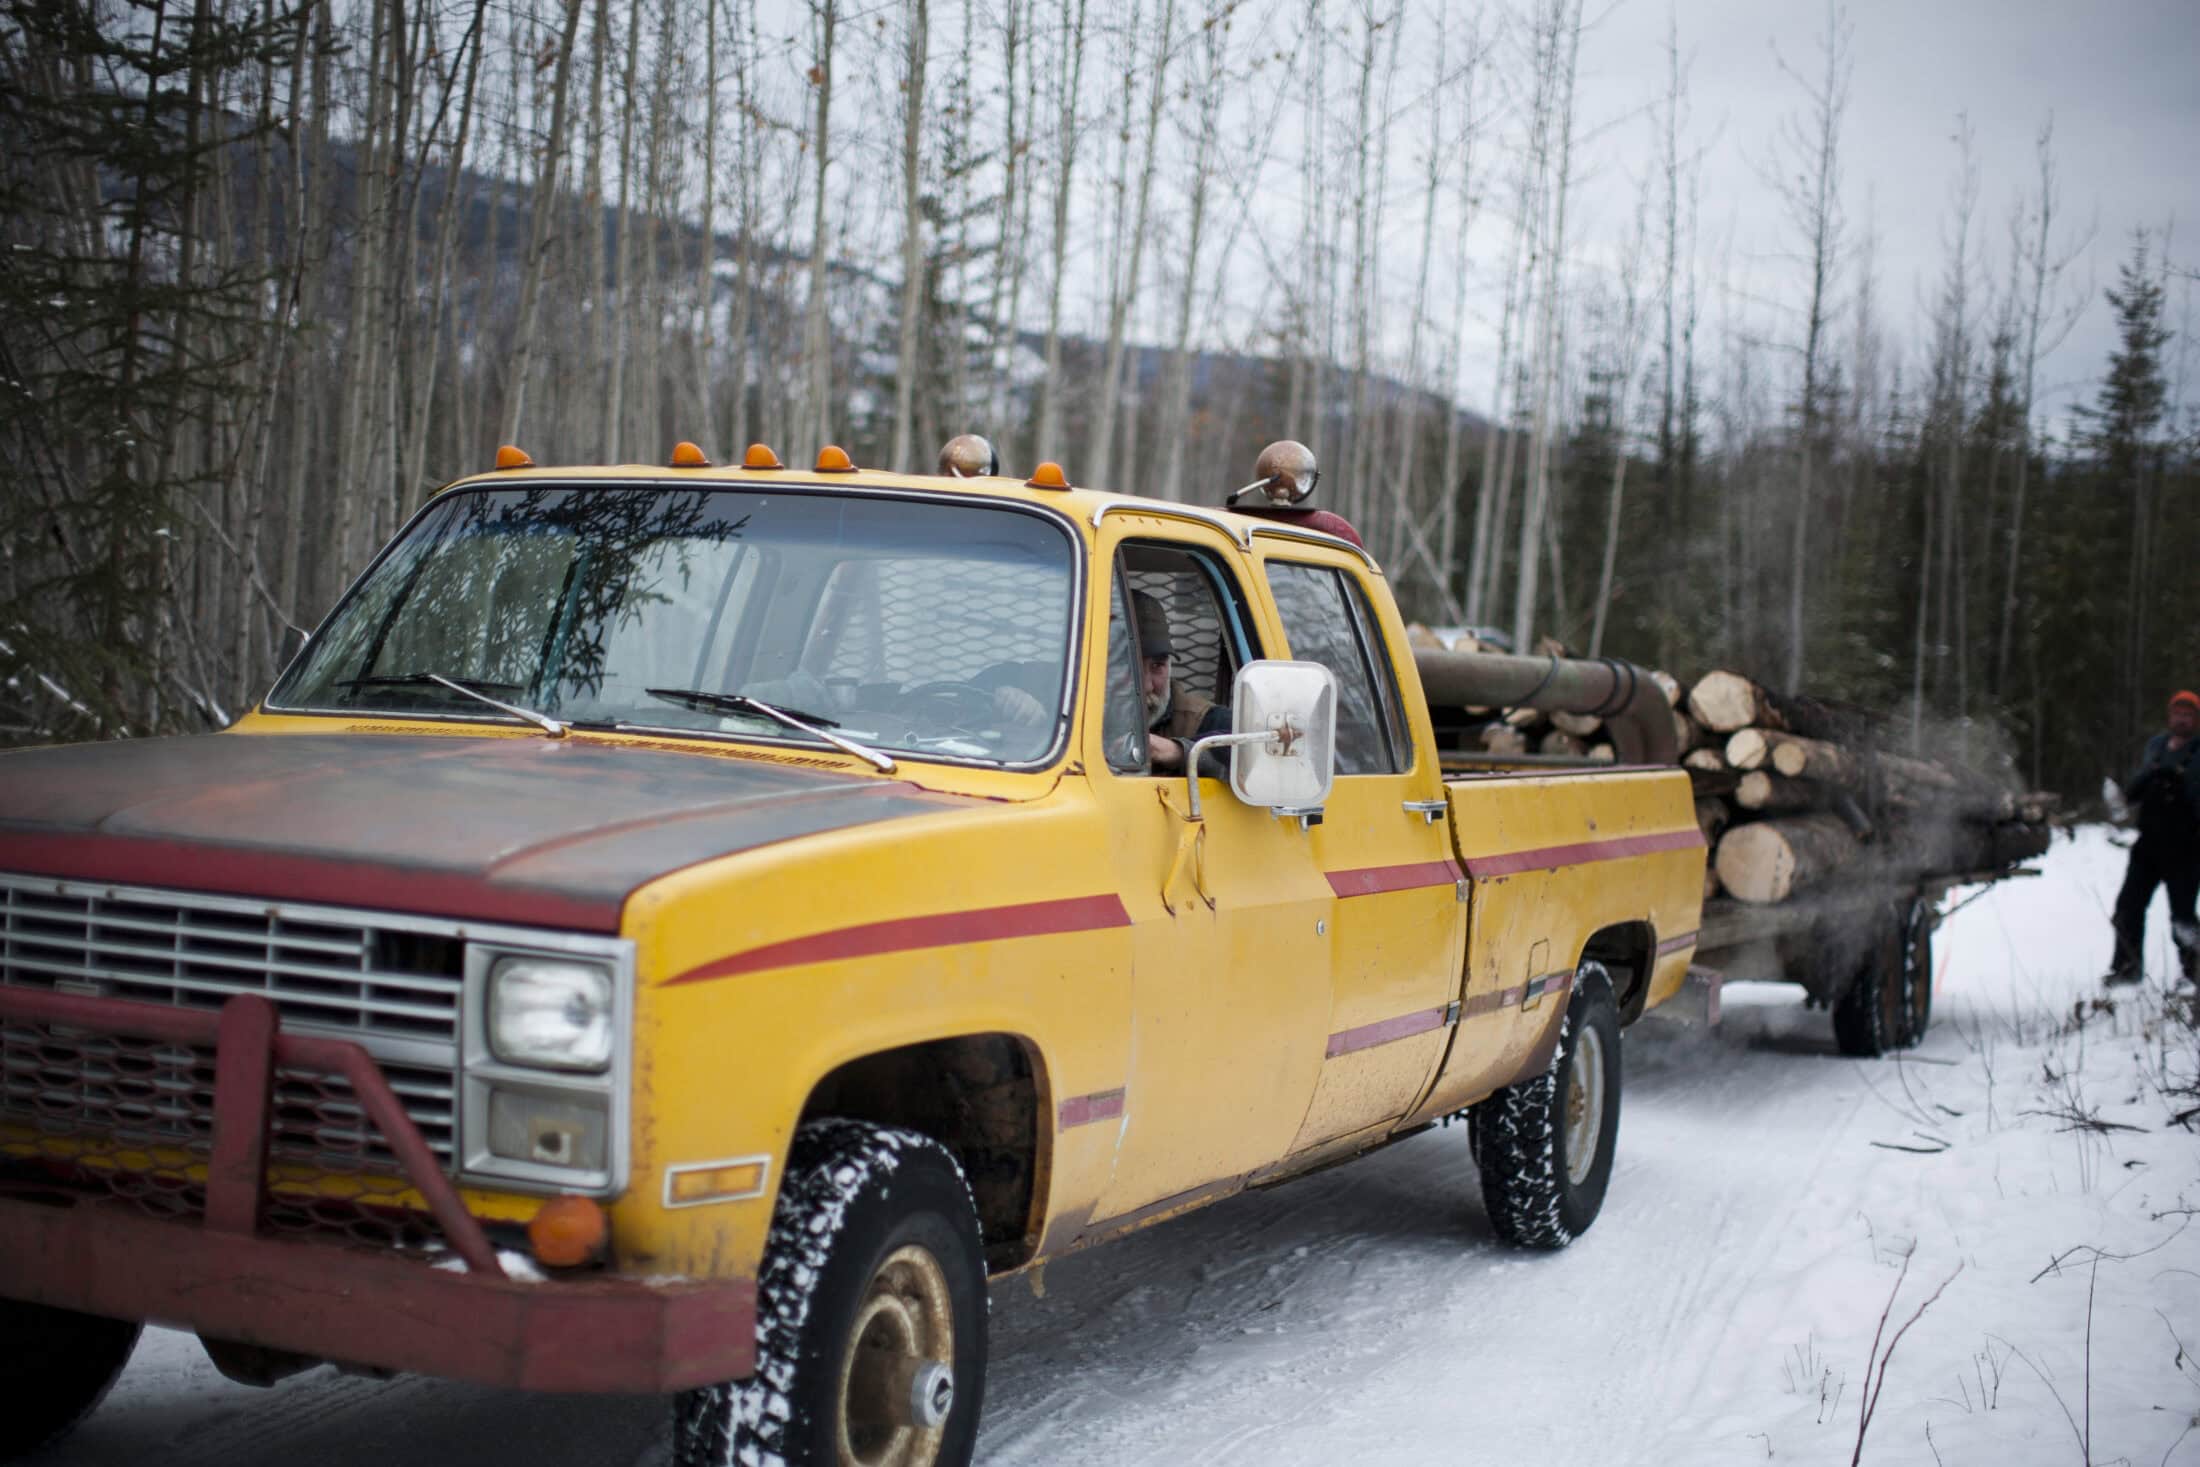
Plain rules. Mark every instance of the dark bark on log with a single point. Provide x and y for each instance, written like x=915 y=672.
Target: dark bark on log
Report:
x=1771 y=794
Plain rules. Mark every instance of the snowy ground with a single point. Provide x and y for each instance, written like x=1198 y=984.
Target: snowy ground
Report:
x=1723 y=1310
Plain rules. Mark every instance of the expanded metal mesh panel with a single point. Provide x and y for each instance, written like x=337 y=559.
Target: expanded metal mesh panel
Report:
x=134 y=1118
x=1199 y=656
x=884 y=620
x=118 y=1095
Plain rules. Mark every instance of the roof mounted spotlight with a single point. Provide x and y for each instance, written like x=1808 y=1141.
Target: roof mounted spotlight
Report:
x=512 y=456
x=833 y=459
x=686 y=455
x=1048 y=475
x=969 y=457
x=1286 y=475
x=760 y=456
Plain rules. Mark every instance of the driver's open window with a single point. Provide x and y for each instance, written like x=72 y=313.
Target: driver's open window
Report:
x=1209 y=633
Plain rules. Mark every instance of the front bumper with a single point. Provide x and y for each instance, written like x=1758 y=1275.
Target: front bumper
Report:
x=220 y=1273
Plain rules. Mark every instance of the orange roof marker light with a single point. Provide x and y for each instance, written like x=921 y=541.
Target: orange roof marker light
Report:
x=833 y=459
x=1048 y=475
x=760 y=456
x=686 y=455
x=512 y=456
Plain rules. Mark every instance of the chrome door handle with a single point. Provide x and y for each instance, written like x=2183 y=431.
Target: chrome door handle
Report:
x=1430 y=811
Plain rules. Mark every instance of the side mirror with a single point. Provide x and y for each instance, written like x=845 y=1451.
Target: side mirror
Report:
x=1282 y=739
x=1295 y=705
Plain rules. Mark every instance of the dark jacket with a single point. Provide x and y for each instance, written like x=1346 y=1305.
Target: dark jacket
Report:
x=2165 y=793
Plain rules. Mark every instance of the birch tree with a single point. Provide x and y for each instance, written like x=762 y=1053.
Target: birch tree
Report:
x=917 y=42
x=1808 y=173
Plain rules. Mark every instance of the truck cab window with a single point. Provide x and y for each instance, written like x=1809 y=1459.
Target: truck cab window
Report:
x=1177 y=634
x=1328 y=621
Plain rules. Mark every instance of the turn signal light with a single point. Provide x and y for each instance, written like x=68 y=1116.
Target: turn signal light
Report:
x=728 y=1181
x=760 y=456
x=1049 y=475
x=512 y=456
x=686 y=455
x=568 y=1232
x=833 y=459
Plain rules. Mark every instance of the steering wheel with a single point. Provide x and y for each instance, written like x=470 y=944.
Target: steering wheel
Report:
x=951 y=702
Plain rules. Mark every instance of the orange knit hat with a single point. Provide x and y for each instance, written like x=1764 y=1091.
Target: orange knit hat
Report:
x=2186 y=696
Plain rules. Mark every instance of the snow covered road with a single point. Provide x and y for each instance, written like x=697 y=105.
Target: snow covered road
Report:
x=1722 y=1310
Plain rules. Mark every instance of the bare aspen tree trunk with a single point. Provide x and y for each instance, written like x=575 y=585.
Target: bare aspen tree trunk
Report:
x=817 y=340
x=1124 y=297
x=917 y=40
x=1214 y=37
x=538 y=243
x=658 y=204
x=1952 y=371
x=1814 y=207
x=1069 y=79
x=747 y=160
x=1008 y=273
x=357 y=377
x=1314 y=339
x=1670 y=159
x=592 y=205
x=620 y=310
x=1566 y=38
x=706 y=254
x=2044 y=270
x=1447 y=531
x=1398 y=466
x=308 y=142
x=1625 y=363
x=1491 y=499
x=471 y=46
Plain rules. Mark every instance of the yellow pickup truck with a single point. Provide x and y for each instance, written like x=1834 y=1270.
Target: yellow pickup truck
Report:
x=682 y=929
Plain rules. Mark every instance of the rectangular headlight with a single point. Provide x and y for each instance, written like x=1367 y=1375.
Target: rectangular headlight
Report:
x=551 y=1012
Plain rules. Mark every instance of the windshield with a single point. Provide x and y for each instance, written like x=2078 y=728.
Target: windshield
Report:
x=919 y=627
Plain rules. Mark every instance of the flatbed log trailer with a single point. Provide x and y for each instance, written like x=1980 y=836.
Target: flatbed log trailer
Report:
x=1860 y=947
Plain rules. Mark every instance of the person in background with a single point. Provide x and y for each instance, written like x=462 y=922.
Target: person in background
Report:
x=2165 y=795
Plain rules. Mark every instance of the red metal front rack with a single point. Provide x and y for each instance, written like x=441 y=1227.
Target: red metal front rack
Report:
x=249 y=1047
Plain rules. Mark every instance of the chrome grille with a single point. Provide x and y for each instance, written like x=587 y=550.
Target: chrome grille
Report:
x=394 y=985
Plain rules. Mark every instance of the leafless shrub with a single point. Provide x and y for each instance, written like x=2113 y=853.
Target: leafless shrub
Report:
x=1875 y=1364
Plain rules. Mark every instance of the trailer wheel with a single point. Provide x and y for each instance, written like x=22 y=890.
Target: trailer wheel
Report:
x=1917 y=971
x=1544 y=1146
x=870 y=1315
x=59 y=1366
x=1889 y=1005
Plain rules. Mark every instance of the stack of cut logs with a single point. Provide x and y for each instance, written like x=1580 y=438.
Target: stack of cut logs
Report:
x=1791 y=791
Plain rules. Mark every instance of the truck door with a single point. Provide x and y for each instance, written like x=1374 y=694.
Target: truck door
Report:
x=1230 y=975
x=1393 y=948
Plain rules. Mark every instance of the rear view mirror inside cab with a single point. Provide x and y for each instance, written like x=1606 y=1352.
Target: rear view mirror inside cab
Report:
x=1295 y=703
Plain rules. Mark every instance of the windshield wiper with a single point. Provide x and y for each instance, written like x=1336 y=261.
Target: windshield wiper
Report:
x=543 y=721
x=809 y=723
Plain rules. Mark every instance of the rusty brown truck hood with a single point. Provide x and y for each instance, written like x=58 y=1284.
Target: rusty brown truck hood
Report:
x=543 y=832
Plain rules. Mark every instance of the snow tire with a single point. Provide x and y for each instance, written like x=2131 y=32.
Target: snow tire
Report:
x=59 y=1365
x=1917 y=972
x=1889 y=1005
x=856 y=1198
x=1536 y=1194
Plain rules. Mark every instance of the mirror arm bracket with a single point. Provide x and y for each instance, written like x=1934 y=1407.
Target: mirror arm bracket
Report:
x=1215 y=741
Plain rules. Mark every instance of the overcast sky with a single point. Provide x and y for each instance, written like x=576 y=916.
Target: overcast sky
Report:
x=2120 y=78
